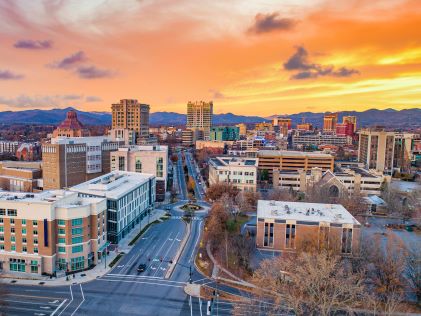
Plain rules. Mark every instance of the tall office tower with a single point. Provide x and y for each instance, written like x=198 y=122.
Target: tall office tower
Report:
x=350 y=119
x=243 y=129
x=329 y=122
x=132 y=115
x=283 y=123
x=376 y=149
x=199 y=116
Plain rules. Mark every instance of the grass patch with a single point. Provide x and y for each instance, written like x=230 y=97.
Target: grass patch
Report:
x=141 y=233
x=116 y=259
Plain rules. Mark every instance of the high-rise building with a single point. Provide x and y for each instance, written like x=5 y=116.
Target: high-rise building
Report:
x=69 y=161
x=225 y=133
x=376 y=149
x=329 y=122
x=130 y=114
x=345 y=129
x=350 y=119
x=283 y=123
x=305 y=127
x=71 y=127
x=199 y=116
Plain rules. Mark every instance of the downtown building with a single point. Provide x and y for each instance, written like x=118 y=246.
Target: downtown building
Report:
x=292 y=161
x=130 y=197
x=131 y=115
x=239 y=172
x=21 y=176
x=71 y=127
x=307 y=140
x=68 y=161
x=144 y=159
x=224 y=133
x=199 y=120
x=329 y=122
x=286 y=226
x=51 y=232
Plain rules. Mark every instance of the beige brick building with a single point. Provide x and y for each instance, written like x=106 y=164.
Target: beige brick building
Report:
x=20 y=176
x=68 y=161
x=199 y=116
x=287 y=226
x=51 y=232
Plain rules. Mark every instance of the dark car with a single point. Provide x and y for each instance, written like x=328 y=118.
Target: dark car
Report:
x=141 y=267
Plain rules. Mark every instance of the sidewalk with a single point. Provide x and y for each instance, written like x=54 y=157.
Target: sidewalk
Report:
x=84 y=276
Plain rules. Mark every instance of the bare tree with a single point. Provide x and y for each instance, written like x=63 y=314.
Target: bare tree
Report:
x=242 y=247
x=277 y=194
x=311 y=283
x=215 y=191
x=215 y=224
x=413 y=270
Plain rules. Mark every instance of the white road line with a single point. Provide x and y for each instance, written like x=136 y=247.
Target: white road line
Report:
x=159 y=250
x=58 y=307
x=25 y=302
x=139 y=282
x=155 y=279
x=195 y=245
x=71 y=294
x=129 y=264
x=172 y=244
x=83 y=299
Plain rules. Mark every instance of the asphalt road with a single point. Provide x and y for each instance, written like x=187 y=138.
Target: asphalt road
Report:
x=124 y=290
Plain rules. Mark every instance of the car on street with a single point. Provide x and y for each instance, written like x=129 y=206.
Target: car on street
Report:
x=141 y=267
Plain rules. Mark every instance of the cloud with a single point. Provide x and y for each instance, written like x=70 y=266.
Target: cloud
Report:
x=93 y=98
x=216 y=94
x=31 y=44
x=265 y=23
x=39 y=101
x=8 y=75
x=92 y=72
x=307 y=70
x=70 y=61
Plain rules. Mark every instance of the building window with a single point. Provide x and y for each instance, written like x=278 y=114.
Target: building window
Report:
x=77 y=263
x=76 y=249
x=12 y=238
x=35 y=249
x=24 y=249
x=23 y=231
x=138 y=165
x=12 y=212
x=61 y=222
x=36 y=241
x=160 y=167
x=13 y=248
x=12 y=221
x=2 y=211
x=77 y=231
x=24 y=222
x=62 y=249
x=17 y=265
x=346 y=240
x=268 y=236
x=23 y=240
x=62 y=240
x=121 y=163
x=290 y=236
x=77 y=222
x=35 y=232
x=77 y=240
x=34 y=266
x=1 y=228
x=34 y=223
x=1 y=237
x=61 y=231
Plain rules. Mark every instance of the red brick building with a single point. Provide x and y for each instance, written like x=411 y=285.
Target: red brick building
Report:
x=284 y=226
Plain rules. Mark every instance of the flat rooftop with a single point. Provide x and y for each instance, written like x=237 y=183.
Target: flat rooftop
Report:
x=234 y=161
x=272 y=153
x=309 y=212
x=140 y=148
x=81 y=140
x=113 y=185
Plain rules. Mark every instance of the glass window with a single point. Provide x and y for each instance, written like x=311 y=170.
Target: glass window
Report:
x=77 y=222
x=1 y=228
x=77 y=231
x=23 y=240
x=34 y=223
x=62 y=249
x=35 y=232
x=12 y=230
x=17 y=265
x=12 y=212
x=1 y=237
x=23 y=231
x=35 y=249
x=62 y=240
x=1 y=247
x=76 y=249
x=268 y=236
x=24 y=222
x=346 y=240
x=1 y=220
x=24 y=249
x=34 y=266
x=13 y=248
x=77 y=263
x=77 y=240
x=12 y=238
x=138 y=165
x=290 y=236
x=2 y=211
x=12 y=221
x=36 y=241
x=61 y=231
x=61 y=222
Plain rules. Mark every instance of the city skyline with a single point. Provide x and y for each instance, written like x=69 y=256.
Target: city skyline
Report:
x=254 y=59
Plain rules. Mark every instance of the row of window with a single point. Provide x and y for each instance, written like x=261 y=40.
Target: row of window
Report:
x=13 y=248
x=23 y=221
x=75 y=249
x=23 y=240
x=237 y=173
x=19 y=265
x=9 y=212
x=23 y=231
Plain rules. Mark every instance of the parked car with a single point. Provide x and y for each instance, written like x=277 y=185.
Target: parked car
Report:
x=141 y=267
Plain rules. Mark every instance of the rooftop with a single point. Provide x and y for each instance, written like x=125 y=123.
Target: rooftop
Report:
x=81 y=140
x=134 y=148
x=234 y=161
x=271 y=153
x=309 y=212
x=113 y=185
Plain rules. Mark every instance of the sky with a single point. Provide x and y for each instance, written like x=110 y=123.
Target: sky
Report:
x=254 y=57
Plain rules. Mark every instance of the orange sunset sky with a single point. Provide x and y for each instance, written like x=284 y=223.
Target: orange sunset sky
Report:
x=254 y=57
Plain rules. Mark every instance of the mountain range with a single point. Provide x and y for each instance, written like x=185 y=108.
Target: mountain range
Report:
x=388 y=117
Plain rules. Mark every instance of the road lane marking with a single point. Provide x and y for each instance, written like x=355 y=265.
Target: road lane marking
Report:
x=25 y=302
x=83 y=300
x=58 y=307
x=142 y=282
x=195 y=245
x=71 y=294
x=158 y=279
x=172 y=244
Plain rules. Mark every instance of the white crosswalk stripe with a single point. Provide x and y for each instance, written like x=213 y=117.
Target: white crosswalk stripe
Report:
x=193 y=218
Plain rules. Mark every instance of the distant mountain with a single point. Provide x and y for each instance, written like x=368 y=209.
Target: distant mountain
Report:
x=388 y=117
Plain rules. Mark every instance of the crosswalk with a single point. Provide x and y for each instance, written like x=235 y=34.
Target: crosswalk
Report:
x=193 y=218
